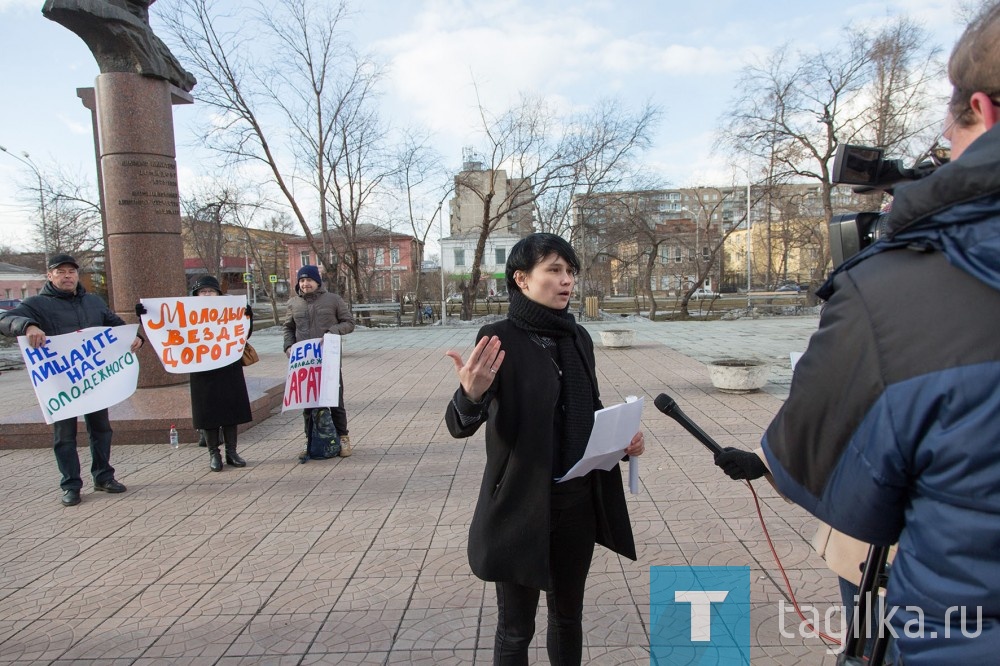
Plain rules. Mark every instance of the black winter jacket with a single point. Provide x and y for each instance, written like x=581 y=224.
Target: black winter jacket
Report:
x=509 y=535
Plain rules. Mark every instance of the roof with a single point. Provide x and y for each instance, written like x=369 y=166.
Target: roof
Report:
x=15 y=272
x=363 y=232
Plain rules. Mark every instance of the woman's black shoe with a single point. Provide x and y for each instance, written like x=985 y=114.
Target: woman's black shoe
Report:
x=234 y=459
x=214 y=460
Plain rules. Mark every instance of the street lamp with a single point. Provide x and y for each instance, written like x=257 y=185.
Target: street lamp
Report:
x=41 y=197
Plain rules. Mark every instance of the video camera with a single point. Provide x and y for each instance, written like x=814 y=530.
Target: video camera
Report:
x=866 y=168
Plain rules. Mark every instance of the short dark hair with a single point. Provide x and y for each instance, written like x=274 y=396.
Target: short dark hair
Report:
x=530 y=250
x=974 y=65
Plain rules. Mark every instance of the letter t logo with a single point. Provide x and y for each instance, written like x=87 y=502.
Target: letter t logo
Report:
x=701 y=610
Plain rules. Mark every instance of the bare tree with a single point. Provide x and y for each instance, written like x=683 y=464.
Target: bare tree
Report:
x=303 y=112
x=265 y=245
x=68 y=211
x=544 y=159
x=418 y=178
x=793 y=111
x=205 y=215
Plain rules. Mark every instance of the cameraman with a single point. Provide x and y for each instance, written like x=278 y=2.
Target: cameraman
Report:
x=891 y=430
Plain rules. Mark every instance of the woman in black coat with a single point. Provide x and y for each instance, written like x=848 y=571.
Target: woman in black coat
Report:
x=219 y=398
x=531 y=380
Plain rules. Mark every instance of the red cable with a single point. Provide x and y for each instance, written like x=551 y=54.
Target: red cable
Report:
x=788 y=585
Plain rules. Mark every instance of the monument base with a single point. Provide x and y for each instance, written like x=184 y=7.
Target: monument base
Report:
x=144 y=418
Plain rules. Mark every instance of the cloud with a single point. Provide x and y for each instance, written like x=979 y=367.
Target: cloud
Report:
x=18 y=5
x=74 y=125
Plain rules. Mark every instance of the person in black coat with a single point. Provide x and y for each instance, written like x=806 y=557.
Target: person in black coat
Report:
x=532 y=380
x=219 y=399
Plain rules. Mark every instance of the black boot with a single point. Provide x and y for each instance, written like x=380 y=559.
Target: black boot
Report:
x=233 y=458
x=214 y=459
x=202 y=442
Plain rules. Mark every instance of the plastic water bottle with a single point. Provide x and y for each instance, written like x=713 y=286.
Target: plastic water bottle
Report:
x=174 y=439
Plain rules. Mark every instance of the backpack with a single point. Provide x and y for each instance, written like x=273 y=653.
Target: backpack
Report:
x=324 y=442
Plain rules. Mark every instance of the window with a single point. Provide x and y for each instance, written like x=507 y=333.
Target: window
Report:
x=678 y=254
x=704 y=254
x=394 y=257
x=304 y=258
x=501 y=256
x=24 y=293
x=664 y=254
x=459 y=256
x=395 y=283
x=379 y=256
x=8 y=294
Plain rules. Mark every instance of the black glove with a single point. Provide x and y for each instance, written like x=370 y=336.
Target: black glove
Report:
x=140 y=309
x=739 y=464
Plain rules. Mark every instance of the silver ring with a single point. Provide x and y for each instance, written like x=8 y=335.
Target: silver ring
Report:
x=493 y=371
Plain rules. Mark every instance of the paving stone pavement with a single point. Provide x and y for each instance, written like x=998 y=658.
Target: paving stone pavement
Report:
x=361 y=560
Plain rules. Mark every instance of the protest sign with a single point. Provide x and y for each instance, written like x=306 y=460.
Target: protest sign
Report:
x=313 y=374
x=196 y=333
x=82 y=372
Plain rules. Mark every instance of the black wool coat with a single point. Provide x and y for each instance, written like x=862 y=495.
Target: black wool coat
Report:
x=219 y=397
x=509 y=535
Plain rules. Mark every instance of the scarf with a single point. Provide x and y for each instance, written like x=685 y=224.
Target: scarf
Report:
x=576 y=394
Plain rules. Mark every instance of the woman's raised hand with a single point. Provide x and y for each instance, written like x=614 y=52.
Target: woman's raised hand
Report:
x=478 y=373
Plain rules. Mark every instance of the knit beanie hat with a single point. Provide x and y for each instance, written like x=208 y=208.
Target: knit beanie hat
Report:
x=311 y=272
x=205 y=281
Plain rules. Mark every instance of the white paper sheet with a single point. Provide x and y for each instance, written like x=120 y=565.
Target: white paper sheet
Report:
x=614 y=428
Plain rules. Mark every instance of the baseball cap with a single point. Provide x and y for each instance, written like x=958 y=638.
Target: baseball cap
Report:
x=58 y=260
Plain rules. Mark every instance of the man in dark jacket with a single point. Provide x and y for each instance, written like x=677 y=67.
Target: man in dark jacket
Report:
x=64 y=306
x=312 y=313
x=891 y=427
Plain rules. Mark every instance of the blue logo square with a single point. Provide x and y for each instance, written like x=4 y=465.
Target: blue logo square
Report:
x=699 y=615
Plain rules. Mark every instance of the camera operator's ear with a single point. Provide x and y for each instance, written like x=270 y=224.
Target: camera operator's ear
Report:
x=984 y=108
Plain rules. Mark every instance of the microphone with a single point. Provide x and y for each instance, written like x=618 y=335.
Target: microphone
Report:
x=668 y=406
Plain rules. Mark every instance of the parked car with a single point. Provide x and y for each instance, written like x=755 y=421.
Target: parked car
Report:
x=701 y=294
x=794 y=288
x=454 y=298
x=9 y=303
x=499 y=297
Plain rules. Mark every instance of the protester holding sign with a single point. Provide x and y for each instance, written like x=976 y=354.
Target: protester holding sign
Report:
x=219 y=399
x=64 y=306
x=312 y=313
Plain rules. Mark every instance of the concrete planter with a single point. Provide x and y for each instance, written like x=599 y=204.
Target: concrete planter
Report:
x=622 y=338
x=734 y=375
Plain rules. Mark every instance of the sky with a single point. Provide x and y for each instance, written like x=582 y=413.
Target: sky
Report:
x=683 y=57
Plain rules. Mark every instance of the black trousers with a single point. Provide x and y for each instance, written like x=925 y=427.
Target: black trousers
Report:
x=339 y=412
x=64 y=445
x=571 y=549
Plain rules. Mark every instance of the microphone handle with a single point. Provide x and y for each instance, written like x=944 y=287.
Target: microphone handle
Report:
x=689 y=425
